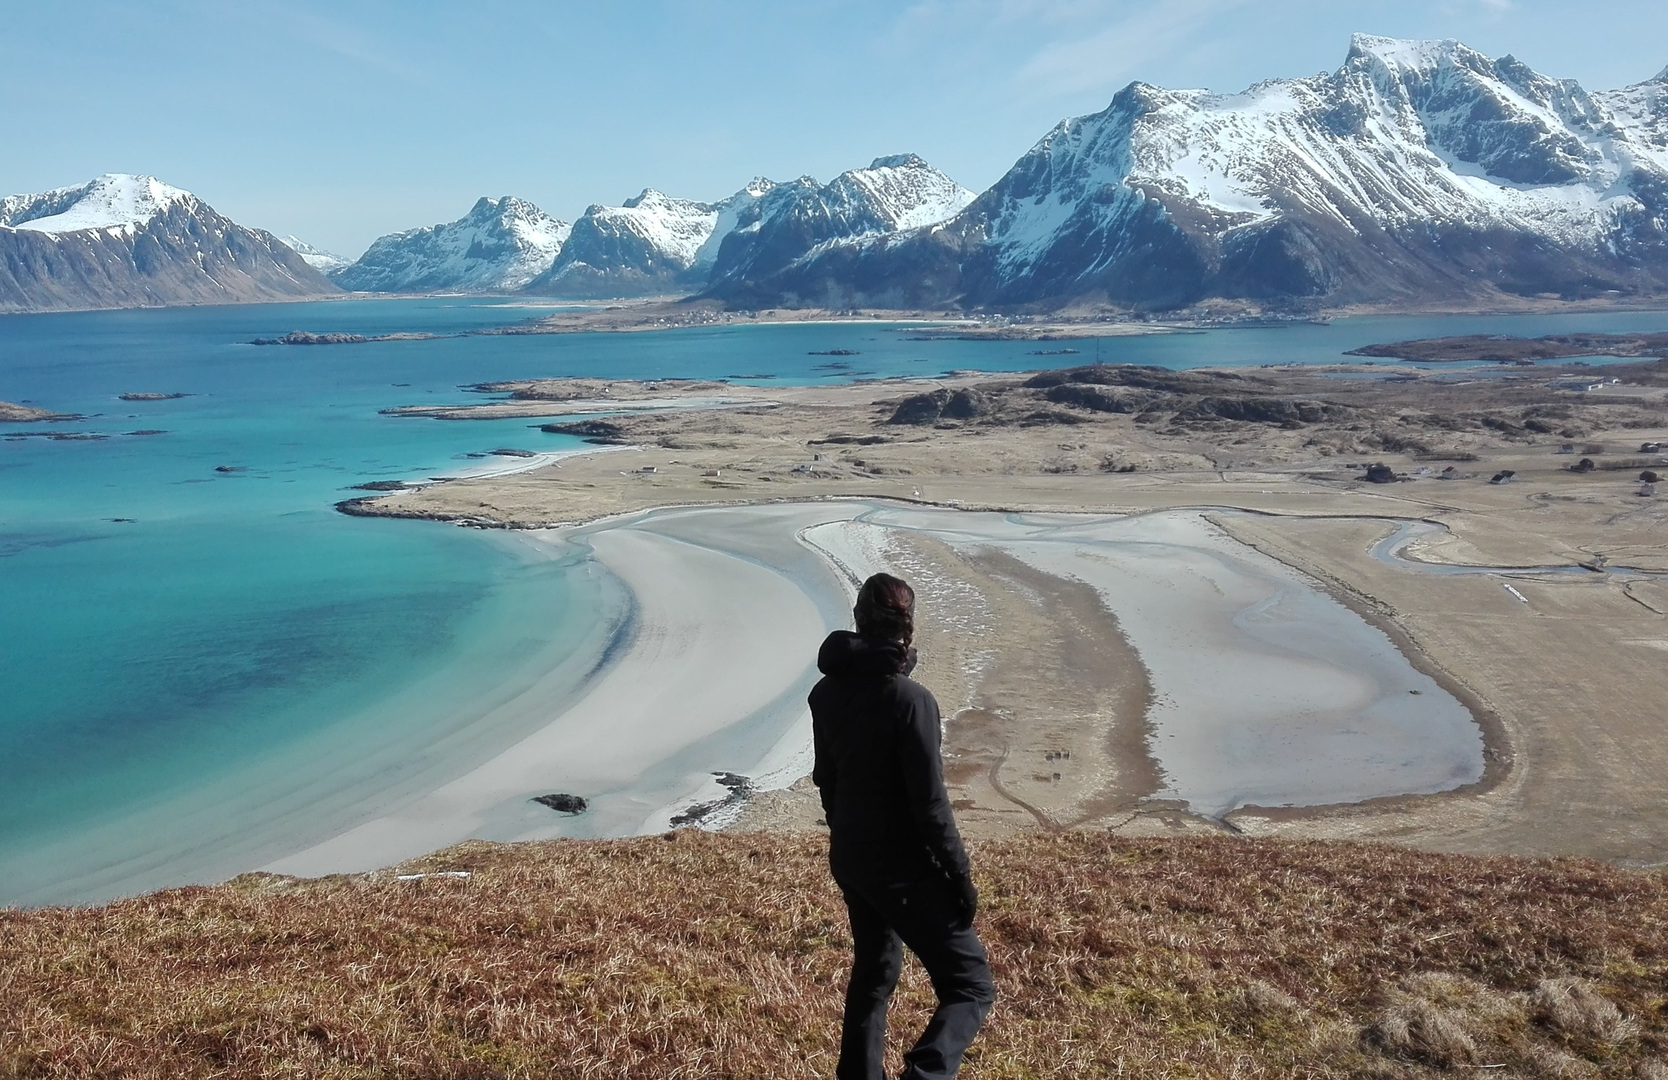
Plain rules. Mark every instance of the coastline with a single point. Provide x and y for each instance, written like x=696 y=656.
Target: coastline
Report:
x=712 y=666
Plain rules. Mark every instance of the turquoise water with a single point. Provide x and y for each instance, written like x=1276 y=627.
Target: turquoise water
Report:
x=171 y=683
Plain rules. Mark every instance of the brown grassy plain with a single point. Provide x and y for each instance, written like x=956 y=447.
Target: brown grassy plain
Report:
x=703 y=955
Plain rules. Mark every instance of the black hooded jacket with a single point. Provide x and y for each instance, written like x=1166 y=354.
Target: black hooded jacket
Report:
x=877 y=764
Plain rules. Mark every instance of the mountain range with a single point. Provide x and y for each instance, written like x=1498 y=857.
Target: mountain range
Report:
x=657 y=243
x=1418 y=173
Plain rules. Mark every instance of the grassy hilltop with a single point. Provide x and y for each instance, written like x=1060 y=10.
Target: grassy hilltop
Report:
x=700 y=955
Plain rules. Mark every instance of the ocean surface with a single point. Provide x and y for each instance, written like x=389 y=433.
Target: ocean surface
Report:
x=203 y=666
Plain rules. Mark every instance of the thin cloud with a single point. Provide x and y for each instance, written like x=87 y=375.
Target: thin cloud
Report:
x=277 y=19
x=1117 y=52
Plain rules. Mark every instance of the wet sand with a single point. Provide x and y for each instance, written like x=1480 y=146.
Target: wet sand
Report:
x=1091 y=668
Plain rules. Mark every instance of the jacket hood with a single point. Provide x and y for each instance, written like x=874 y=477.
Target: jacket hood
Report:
x=845 y=655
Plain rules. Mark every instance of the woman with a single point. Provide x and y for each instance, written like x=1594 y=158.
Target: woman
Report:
x=894 y=848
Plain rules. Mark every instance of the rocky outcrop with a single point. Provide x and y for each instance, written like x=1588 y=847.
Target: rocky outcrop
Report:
x=930 y=408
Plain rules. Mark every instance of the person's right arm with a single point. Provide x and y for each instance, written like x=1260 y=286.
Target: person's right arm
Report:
x=923 y=773
x=822 y=770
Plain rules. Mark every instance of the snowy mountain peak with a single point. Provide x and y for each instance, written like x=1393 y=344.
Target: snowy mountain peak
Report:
x=114 y=200
x=499 y=246
x=906 y=193
x=1410 y=55
x=326 y=262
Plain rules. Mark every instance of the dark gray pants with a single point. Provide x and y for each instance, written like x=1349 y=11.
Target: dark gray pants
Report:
x=886 y=916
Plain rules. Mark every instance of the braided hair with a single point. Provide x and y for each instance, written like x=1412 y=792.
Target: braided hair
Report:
x=885 y=610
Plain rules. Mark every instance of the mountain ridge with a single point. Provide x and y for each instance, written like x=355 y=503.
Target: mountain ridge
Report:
x=1416 y=171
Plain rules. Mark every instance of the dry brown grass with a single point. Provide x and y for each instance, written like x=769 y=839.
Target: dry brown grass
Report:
x=723 y=956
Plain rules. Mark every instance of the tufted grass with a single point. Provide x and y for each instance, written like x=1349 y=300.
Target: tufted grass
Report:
x=701 y=955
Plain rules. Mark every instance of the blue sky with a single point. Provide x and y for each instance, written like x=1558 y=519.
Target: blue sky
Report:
x=342 y=120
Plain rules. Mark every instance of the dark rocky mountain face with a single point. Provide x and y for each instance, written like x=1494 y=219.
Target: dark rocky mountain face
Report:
x=1417 y=172
x=185 y=254
x=792 y=220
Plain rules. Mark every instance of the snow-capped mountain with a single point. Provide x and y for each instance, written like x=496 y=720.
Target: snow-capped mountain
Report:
x=1416 y=172
x=655 y=243
x=499 y=246
x=325 y=262
x=652 y=244
x=132 y=241
x=792 y=220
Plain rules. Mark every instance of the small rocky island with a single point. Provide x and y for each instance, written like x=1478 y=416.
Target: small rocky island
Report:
x=14 y=413
x=1505 y=349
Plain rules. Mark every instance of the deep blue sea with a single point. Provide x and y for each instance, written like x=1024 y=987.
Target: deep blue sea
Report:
x=186 y=623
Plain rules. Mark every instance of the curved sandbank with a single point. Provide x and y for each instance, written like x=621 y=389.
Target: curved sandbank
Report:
x=1267 y=692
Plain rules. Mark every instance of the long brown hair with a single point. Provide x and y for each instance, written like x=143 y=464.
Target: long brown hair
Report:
x=886 y=609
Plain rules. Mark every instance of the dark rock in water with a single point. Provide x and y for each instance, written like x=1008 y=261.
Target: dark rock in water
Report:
x=150 y=397
x=562 y=803
x=148 y=431
x=506 y=452
x=963 y=404
x=304 y=337
x=1380 y=474
x=228 y=468
x=834 y=352
x=606 y=432
x=741 y=789
x=382 y=485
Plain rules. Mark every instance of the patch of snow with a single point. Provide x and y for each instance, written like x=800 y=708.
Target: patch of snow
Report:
x=319 y=259
x=112 y=201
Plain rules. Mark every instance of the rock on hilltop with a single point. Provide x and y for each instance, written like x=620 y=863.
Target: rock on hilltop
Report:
x=1416 y=172
x=499 y=246
x=132 y=241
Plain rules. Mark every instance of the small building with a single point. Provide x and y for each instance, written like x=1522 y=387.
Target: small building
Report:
x=1380 y=474
x=1647 y=491
x=1504 y=476
x=1566 y=448
x=714 y=473
x=649 y=469
x=1650 y=448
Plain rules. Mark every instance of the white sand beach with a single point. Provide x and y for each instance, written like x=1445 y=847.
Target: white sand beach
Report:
x=1266 y=691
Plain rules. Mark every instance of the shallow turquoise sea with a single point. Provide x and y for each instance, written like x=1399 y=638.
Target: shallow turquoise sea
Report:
x=200 y=659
